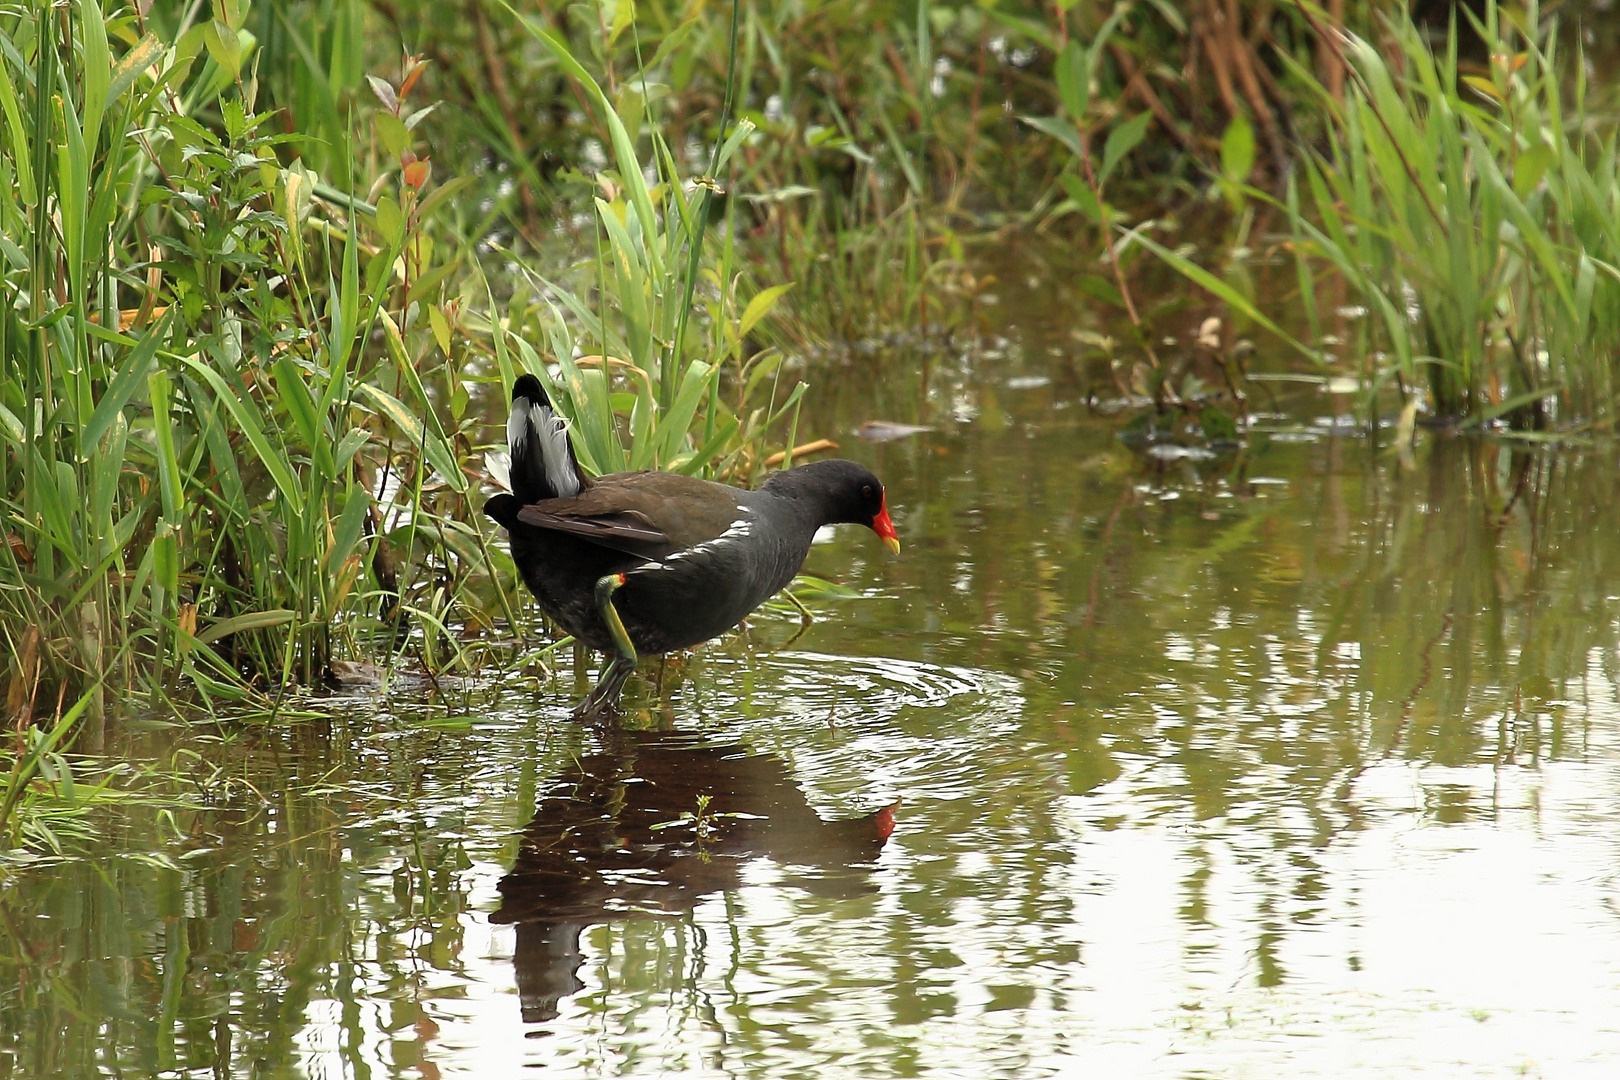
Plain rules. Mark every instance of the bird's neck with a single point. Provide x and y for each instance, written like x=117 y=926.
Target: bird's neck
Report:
x=800 y=494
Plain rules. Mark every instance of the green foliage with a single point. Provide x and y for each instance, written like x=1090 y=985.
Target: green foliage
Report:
x=235 y=400
x=203 y=447
x=870 y=126
x=1474 y=216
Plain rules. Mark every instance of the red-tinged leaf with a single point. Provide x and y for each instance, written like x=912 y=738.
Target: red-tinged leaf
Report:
x=417 y=173
x=413 y=71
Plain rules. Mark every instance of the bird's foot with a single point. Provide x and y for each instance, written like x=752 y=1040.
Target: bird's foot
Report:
x=602 y=703
x=594 y=711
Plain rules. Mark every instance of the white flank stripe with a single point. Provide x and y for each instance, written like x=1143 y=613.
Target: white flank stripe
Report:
x=736 y=531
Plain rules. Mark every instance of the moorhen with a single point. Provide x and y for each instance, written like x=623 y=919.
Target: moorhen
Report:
x=649 y=562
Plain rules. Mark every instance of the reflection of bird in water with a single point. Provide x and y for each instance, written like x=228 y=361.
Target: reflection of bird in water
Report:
x=648 y=827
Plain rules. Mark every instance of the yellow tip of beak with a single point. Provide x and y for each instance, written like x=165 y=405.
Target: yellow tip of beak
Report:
x=892 y=543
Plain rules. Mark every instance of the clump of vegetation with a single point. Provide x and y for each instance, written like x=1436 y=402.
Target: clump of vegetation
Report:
x=208 y=359
x=236 y=422
x=886 y=136
x=1473 y=213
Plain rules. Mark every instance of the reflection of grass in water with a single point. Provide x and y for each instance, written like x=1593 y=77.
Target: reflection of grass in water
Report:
x=1245 y=749
x=259 y=873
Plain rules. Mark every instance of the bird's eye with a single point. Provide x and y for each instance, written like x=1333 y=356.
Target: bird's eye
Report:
x=867 y=491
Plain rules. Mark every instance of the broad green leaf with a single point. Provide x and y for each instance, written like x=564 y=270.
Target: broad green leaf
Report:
x=1237 y=149
x=348 y=447
x=1073 y=81
x=346 y=534
x=253 y=620
x=760 y=306
x=1121 y=141
x=160 y=389
x=1585 y=283
x=695 y=463
x=97 y=69
x=392 y=131
x=166 y=556
x=1084 y=198
x=52 y=505
x=1531 y=166
x=632 y=286
x=131 y=375
x=22 y=153
x=624 y=13
x=224 y=47
x=141 y=56
x=1061 y=129
x=390 y=221
x=674 y=424
x=300 y=405
x=440 y=195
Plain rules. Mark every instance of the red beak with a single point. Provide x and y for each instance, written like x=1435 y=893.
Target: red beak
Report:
x=885 y=528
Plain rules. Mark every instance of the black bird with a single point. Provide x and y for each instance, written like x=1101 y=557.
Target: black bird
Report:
x=649 y=562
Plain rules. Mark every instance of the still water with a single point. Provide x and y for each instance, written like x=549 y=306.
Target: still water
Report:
x=1301 y=762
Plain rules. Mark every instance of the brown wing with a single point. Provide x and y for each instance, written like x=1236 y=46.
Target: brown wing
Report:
x=626 y=525
x=646 y=513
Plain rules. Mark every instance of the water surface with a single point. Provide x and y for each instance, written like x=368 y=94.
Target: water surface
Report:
x=1299 y=762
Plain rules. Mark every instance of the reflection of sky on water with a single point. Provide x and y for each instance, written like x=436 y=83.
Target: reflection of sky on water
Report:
x=1489 y=945
x=1457 y=918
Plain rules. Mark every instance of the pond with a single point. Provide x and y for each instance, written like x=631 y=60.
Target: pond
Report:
x=1297 y=762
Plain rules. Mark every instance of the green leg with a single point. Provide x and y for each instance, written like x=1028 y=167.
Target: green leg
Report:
x=604 y=695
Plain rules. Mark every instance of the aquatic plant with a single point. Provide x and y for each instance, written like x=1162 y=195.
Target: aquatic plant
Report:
x=885 y=138
x=237 y=431
x=1469 y=210
x=652 y=354
x=197 y=430
x=1472 y=211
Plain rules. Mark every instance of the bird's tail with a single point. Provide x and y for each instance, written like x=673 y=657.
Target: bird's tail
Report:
x=543 y=462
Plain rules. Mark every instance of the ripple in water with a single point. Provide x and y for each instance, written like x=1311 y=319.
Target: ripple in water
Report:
x=861 y=729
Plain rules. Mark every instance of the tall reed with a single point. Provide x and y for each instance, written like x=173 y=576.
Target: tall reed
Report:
x=203 y=449
x=237 y=430
x=1475 y=216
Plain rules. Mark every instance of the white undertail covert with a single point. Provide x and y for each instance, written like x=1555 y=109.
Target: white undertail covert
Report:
x=534 y=428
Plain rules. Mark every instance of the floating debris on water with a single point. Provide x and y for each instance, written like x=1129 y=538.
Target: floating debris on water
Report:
x=889 y=430
x=1173 y=452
